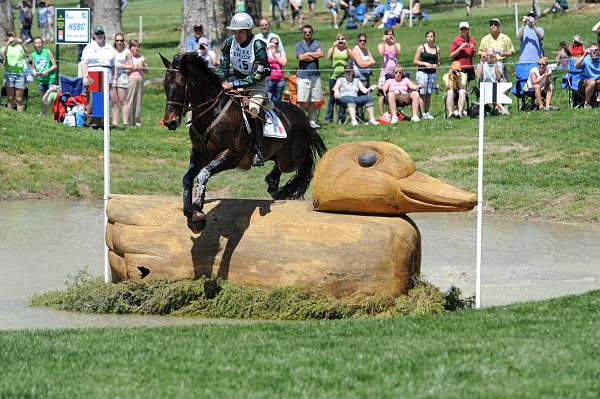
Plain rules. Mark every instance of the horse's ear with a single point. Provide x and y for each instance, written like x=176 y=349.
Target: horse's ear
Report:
x=165 y=61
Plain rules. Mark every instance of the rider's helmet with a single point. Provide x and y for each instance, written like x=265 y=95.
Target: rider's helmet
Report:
x=240 y=21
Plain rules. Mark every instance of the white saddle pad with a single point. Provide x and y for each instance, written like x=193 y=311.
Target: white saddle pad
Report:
x=273 y=127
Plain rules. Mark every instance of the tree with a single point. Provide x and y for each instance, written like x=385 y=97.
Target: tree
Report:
x=214 y=16
x=106 y=13
x=6 y=20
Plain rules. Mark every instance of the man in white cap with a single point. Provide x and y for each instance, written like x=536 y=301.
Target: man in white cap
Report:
x=463 y=48
x=246 y=56
x=500 y=42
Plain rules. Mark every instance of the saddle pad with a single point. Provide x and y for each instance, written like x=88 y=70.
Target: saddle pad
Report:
x=273 y=126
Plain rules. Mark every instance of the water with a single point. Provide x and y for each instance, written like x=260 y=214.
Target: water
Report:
x=44 y=241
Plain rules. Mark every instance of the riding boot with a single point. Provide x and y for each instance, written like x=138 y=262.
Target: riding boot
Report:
x=258 y=158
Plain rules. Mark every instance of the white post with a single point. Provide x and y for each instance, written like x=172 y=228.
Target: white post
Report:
x=410 y=14
x=107 y=274
x=479 y=195
x=482 y=3
x=140 y=35
x=516 y=18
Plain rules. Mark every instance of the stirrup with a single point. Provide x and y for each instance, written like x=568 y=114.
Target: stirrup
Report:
x=258 y=158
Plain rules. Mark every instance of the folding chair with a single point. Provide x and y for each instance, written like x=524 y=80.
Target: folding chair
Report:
x=525 y=99
x=570 y=81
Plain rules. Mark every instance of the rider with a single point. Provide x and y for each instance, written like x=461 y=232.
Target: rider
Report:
x=246 y=54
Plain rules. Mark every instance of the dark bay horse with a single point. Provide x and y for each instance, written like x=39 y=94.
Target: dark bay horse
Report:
x=220 y=139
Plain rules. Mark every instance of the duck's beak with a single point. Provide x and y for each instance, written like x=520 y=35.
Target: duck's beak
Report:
x=422 y=193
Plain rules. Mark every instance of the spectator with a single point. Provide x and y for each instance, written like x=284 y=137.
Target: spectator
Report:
x=44 y=68
x=277 y=60
x=277 y=5
x=266 y=35
x=97 y=54
x=14 y=54
x=363 y=60
x=500 y=42
x=536 y=8
x=391 y=16
x=339 y=55
x=312 y=4
x=206 y=53
x=389 y=51
x=119 y=88
x=563 y=55
x=192 y=42
x=308 y=52
x=576 y=48
x=589 y=63
x=43 y=22
x=26 y=19
x=402 y=91
x=334 y=6
x=135 y=90
x=456 y=88
x=531 y=36
x=375 y=14
x=347 y=91
x=558 y=6
x=296 y=9
x=596 y=29
x=416 y=13
x=462 y=50
x=427 y=59
x=540 y=82
x=489 y=71
x=50 y=11
x=468 y=5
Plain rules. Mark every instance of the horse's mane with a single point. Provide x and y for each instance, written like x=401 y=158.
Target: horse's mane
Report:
x=193 y=59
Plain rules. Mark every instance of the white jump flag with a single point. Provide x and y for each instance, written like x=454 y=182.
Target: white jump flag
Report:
x=489 y=93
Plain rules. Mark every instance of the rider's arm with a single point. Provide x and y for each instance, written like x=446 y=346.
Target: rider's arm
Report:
x=260 y=69
x=223 y=71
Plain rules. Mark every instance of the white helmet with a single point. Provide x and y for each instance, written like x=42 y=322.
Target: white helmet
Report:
x=240 y=21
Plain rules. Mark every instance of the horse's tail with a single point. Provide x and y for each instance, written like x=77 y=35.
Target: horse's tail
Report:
x=297 y=185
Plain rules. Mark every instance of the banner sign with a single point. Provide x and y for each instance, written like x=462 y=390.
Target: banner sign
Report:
x=72 y=26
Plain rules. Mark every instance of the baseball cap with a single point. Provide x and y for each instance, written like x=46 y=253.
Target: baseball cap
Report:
x=456 y=66
x=463 y=24
x=578 y=39
x=198 y=27
x=531 y=14
x=98 y=29
x=496 y=20
x=203 y=41
x=596 y=28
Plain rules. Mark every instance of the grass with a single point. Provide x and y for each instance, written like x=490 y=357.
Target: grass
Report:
x=530 y=350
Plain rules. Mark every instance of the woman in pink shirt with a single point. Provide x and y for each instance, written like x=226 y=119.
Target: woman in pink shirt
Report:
x=135 y=91
x=277 y=60
x=389 y=51
x=402 y=91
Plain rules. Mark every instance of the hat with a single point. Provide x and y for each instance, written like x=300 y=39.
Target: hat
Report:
x=596 y=28
x=578 y=39
x=463 y=24
x=496 y=20
x=532 y=14
x=98 y=29
x=198 y=27
x=455 y=66
x=203 y=41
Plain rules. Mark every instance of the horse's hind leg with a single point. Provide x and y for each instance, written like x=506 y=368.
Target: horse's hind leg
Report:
x=197 y=222
x=272 y=180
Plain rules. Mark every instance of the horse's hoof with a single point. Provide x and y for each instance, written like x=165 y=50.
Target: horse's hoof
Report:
x=197 y=222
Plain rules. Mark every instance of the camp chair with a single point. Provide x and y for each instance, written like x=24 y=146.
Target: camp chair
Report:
x=570 y=81
x=525 y=99
x=72 y=86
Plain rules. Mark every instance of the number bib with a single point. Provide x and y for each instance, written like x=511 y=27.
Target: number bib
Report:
x=242 y=58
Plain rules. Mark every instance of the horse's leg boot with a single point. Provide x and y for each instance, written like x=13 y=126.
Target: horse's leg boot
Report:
x=258 y=158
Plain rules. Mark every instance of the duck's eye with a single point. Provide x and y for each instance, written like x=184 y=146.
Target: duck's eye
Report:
x=367 y=159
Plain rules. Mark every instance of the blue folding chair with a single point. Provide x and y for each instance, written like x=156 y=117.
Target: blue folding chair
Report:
x=570 y=81
x=525 y=99
x=72 y=86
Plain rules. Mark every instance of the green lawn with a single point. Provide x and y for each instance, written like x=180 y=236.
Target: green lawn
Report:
x=546 y=349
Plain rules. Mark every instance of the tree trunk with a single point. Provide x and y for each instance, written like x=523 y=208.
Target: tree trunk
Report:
x=106 y=13
x=213 y=15
x=6 y=20
x=254 y=7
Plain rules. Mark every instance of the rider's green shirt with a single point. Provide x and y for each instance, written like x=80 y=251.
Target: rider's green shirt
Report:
x=244 y=64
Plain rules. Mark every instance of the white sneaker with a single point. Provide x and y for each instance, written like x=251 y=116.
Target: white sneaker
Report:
x=394 y=120
x=314 y=124
x=354 y=123
x=336 y=26
x=373 y=122
x=427 y=115
x=415 y=119
x=456 y=114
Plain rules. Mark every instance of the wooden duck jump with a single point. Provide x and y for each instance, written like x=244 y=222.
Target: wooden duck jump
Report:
x=368 y=246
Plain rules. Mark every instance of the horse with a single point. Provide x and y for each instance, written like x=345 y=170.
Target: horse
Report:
x=221 y=139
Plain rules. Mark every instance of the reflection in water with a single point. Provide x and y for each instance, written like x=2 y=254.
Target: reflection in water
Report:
x=44 y=241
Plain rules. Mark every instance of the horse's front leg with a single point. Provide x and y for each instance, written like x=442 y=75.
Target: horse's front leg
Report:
x=188 y=184
x=198 y=219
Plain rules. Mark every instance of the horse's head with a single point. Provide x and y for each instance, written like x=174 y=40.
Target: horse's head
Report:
x=175 y=85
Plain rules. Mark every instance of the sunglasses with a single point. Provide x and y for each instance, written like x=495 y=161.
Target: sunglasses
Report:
x=362 y=40
x=542 y=64
x=119 y=41
x=307 y=33
x=398 y=72
x=275 y=43
x=494 y=24
x=464 y=28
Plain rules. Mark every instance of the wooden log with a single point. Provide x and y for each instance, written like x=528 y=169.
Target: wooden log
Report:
x=264 y=244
